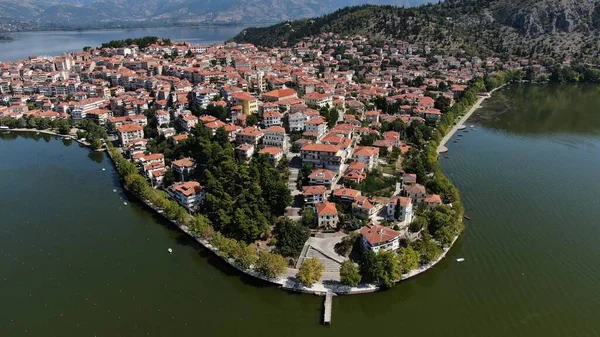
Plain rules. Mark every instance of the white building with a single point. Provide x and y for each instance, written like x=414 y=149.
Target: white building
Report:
x=327 y=215
x=129 y=132
x=275 y=136
x=377 y=237
x=189 y=194
x=367 y=155
x=297 y=121
x=400 y=209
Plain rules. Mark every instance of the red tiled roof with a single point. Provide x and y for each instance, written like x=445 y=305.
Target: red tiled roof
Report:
x=378 y=234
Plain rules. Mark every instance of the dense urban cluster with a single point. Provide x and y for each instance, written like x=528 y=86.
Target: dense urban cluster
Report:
x=316 y=161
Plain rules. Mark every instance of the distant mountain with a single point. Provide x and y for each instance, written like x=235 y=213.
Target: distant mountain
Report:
x=549 y=28
x=103 y=13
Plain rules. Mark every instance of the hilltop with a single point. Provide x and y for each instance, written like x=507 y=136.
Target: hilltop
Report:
x=531 y=28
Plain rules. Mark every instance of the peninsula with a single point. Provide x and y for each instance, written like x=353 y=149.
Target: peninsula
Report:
x=313 y=166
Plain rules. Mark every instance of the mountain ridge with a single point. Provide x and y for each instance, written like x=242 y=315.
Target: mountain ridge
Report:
x=101 y=13
x=552 y=28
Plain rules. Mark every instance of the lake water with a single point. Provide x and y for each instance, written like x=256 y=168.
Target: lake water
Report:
x=77 y=262
x=53 y=43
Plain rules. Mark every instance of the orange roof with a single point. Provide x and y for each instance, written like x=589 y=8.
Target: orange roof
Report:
x=326 y=208
x=433 y=199
x=130 y=128
x=280 y=93
x=312 y=190
x=185 y=162
x=271 y=150
x=187 y=188
x=346 y=192
x=378 y=234
x=275 y=129
x=250 y=131
x=403 y=201
x=366 y=151
x=320 y=148
x=322 y=174
x=153 y=156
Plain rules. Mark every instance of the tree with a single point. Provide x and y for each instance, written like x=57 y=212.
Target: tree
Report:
x=308 y=216
x=252 y=120
x=370 y=267
x=349 y=274
x=270 y=265
x=345 y=246
x=409 y=259
x=245 y=255
x=417 y=224
x=291 y=237
x=390 y=271
x=310 y=271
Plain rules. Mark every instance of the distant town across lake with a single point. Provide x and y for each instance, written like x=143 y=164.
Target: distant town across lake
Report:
x=25 y=44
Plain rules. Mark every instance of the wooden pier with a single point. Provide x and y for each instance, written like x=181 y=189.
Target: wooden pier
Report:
x=328 y=307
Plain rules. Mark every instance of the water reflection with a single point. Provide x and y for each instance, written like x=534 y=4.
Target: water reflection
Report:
x=539 y=110
x=95 y=156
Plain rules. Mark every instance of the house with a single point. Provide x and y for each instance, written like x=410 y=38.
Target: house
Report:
x=363 y=208
x=409 y=179
x=130 y=132
x=401 y=209
x=322 y=155
x=346 y=194
x=297 y=121
x=372 y=116
x=367 y=155
x=275 y=136
x=249 y=135
x=314 y=194
x=416 y=192
x=318 y=99
x=279 y=95
x=275 y=153
x=188 y=122
x=162 y=117
x=248 y=102
x=316 y=128
x=377 y=237
x=183 y=168
x=272 y=118
x=245 y=150
x=322 y=177
x=432 y=201
x=327 y=215
x=189 y=194
x=99 y=116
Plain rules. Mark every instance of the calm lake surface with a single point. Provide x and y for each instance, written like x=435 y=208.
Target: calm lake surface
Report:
x=77 y=262
x=53 y=43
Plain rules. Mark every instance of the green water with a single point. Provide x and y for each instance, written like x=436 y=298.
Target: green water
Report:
x=75 y=261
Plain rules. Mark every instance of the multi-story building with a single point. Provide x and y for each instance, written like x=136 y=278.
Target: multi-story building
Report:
x=377 y=237
x=314 y=194
x=248 y=102
x=130 y=132
x=188 y=194
x=183 y=168
x=401 y=209
x=275 y=136
x=368 y=155
x=249 y=135
x=318 y=99
x=322 y=155
x=272 y=118
x=327 y=215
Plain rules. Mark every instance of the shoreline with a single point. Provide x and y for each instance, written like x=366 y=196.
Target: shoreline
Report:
x=460 y=124
x=52 y=133
x=289 y=282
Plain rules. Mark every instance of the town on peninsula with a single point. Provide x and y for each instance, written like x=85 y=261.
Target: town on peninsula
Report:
x=312 y=165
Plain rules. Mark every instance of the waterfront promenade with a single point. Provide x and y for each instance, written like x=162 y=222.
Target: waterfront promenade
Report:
x=461 y=123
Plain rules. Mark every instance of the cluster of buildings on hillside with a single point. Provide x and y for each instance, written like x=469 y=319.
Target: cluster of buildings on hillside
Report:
x=281 y=88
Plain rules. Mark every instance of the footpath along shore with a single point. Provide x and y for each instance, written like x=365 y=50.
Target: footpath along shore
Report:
x=52 y=133
x=460 y=124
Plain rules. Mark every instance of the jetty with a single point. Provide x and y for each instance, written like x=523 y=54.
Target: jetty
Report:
x=328 y=307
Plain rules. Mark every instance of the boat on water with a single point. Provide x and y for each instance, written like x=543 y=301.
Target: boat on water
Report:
x=467 y=217
x=4 y=128
x=460 y=259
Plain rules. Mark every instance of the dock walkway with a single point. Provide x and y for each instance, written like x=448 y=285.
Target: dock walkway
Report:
x=328 y=307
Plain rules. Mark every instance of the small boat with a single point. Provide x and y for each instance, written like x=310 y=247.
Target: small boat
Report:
x=459 y=135
x=170 y=250
x=472 y=126
x=467 y=217
x=103 y=169
x=460 y=259
x=4 y=128
x=125 y=203
x=456 y=141
x=115 y=190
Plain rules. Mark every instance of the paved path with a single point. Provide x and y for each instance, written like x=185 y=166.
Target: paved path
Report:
x=460 y=125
